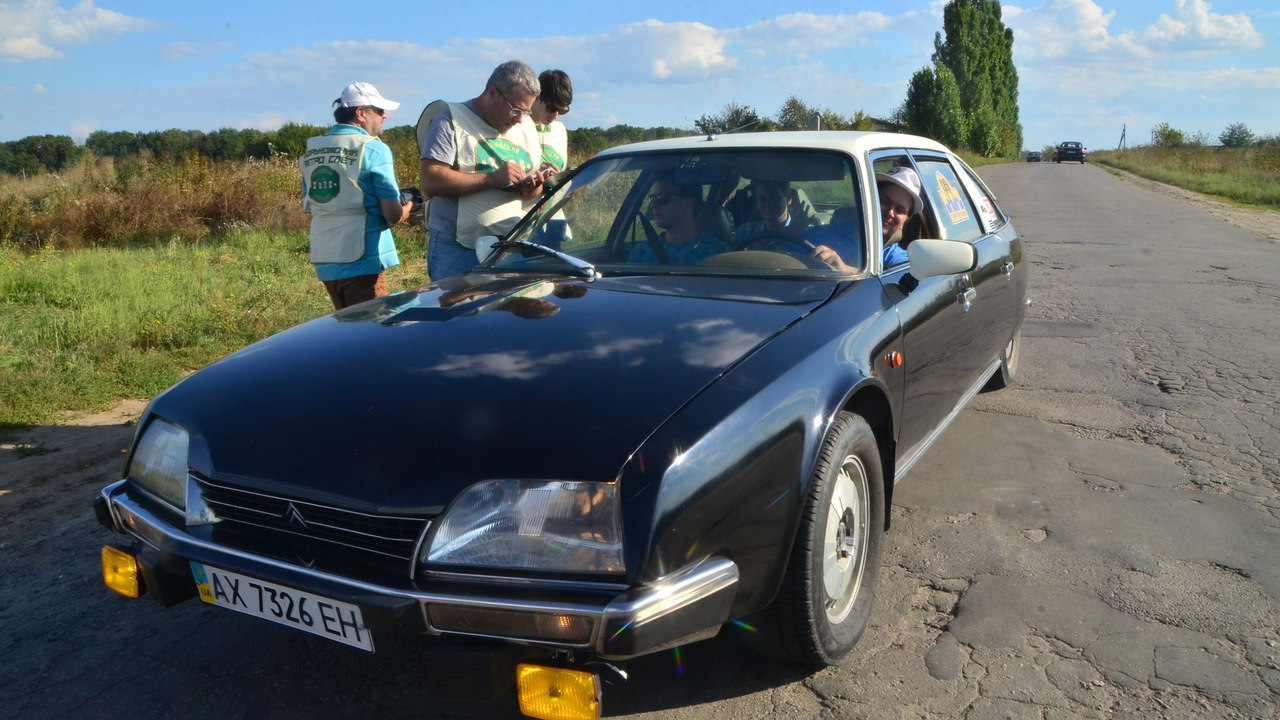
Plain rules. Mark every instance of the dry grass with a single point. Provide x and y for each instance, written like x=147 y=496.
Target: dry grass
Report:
x=141 y=201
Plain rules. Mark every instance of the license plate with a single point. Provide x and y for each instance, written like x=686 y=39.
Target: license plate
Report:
x=316 y=614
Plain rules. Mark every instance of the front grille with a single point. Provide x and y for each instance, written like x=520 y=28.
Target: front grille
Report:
x=390 y=535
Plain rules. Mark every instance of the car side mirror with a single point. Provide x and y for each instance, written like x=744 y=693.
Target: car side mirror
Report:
x=484 y=246
x=930 y=257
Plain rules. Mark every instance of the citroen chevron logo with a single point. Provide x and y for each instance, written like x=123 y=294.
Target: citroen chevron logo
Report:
x=294 y=518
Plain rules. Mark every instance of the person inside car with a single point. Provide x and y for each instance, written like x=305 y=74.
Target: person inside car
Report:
x=773 y=200
x=899 y=195
x=674 y=207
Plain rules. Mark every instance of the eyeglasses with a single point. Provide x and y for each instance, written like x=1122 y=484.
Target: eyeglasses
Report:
x=664 y=198
x=558 y=111
x=379 y=111
x=515 y=111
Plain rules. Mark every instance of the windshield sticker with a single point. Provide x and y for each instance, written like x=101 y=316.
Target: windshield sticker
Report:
x=951 y=200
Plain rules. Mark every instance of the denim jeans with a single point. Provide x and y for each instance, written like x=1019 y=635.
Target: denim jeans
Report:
x=446 y=258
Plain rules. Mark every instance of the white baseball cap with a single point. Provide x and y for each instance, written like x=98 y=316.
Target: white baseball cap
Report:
x=362 y=94
x=907 y=179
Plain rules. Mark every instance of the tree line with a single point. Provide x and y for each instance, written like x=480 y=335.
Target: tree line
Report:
x=56 y=153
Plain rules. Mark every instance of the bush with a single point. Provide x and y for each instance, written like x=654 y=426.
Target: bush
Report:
x=1236 y=135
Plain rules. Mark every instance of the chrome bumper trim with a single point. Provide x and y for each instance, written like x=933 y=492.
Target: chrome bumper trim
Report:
x=689 y=604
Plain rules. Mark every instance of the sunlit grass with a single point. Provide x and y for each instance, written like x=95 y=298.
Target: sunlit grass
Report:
x=80 y=329
x=1250 y=176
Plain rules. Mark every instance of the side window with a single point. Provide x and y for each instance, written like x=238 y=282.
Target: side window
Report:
x=988 y=212
x=946 y=194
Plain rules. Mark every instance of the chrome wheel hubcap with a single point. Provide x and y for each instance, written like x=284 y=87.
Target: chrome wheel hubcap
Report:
x=844 y=540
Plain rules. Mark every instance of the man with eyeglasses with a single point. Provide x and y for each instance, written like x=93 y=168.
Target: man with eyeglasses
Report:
x=479 y=164
x=349 y=187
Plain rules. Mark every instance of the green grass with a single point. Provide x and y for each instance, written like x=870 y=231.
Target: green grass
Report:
x=1248 y=176
x=81 y=329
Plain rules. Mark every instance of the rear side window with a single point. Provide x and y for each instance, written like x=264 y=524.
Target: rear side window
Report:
x=947 y=195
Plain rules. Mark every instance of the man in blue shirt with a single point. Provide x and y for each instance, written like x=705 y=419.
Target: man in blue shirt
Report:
x=349 y=187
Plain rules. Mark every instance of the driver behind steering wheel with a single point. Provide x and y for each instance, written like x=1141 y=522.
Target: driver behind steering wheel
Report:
x=772 y=202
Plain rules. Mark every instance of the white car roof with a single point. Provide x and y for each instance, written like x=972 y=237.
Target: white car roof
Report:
x=854 y=143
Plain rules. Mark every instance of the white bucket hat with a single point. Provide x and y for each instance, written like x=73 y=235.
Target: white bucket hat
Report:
x=362 y=94
x=905 y=178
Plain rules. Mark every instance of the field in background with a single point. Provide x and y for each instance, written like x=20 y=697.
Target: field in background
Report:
x=1246 y=175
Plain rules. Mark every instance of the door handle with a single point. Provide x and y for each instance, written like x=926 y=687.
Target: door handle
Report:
x=965 y=298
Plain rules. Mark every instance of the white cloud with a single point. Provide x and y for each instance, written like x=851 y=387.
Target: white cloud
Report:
x=661 y=51
x=1079 y=30
x=806 y=32
x=36 y=29
x=1194 y=28
x=39 y=88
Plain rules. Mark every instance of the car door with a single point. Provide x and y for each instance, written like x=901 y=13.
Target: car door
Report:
x=936 y=335
x=987 y=288
x=1004 y=287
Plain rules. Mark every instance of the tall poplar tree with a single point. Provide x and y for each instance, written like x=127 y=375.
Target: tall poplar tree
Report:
x=978 y=49
x=978 y=53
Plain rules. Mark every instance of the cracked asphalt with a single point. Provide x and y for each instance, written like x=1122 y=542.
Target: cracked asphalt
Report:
x=1097 y=541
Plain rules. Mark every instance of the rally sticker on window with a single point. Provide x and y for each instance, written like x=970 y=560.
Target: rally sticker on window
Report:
x=951 y=200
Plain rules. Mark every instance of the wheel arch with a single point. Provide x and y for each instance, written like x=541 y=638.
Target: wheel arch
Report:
x=873 y=405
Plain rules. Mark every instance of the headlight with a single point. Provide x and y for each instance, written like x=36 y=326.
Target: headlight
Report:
x=159 y=463
x=553 y=525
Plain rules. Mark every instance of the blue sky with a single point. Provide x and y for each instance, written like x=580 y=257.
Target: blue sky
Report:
x=1087 y=68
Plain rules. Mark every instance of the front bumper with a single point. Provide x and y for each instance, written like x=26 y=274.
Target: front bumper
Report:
x=685 y=606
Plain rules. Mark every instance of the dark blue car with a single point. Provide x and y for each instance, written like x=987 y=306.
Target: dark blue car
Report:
x=566 y=456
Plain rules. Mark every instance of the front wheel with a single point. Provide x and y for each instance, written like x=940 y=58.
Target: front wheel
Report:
x=825 y=599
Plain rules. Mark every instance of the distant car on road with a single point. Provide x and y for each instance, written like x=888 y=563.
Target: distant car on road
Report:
x=1033 y=156
x=1069 y=151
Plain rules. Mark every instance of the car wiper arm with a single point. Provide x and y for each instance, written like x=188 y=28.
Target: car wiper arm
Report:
x=578 y=266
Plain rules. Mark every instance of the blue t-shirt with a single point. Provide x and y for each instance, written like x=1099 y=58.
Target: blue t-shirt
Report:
x=894 y=254
x=378 y=179
x=703 y=246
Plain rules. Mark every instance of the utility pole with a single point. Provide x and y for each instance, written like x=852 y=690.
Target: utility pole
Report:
x=1123 y=127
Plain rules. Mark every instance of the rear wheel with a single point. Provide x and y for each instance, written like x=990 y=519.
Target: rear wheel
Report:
x=1008 y=372
x=825 y=599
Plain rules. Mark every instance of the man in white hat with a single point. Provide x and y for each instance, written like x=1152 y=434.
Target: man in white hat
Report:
x=899 y=200
x=899 y=195
x=479 y=163
x=349 y=187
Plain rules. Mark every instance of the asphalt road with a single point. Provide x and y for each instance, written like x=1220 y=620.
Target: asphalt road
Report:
x=1097 y=541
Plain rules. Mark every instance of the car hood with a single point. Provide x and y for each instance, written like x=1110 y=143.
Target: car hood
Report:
x=398 y=403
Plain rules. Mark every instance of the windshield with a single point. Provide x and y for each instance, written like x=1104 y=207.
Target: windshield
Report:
x=758 y=211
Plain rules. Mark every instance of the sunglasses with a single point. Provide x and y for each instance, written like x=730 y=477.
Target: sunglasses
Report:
x=558 y=111
x=664 y=198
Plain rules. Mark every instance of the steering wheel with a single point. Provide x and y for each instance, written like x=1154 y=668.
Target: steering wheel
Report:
x=769 y=240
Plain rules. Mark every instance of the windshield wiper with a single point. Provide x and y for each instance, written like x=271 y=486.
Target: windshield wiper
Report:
x=577 y=265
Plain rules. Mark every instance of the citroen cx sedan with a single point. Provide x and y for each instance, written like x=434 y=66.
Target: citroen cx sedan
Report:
x=602 y=442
